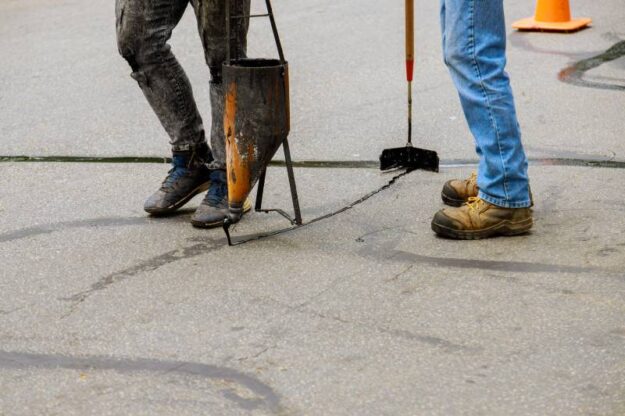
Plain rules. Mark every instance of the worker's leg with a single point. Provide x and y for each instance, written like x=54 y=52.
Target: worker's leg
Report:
x=143 y=29
x=474 y=44
x=211 y=17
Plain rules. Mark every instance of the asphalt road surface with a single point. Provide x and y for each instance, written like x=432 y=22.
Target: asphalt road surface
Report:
x=105 y=311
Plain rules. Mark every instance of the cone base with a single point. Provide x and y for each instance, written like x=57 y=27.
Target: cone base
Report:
x=571 y=26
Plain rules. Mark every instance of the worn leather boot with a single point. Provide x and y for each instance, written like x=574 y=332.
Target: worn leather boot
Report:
x=188 y=177
x=214 y=208
x=456 y=192
x=478 y=219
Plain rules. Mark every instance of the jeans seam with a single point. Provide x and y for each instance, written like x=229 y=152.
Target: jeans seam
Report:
x=179 y=99
x=182 y=103
x=175 y=78
x=487 y=99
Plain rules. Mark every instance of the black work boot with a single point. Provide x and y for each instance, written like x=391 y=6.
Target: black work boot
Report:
x=214 y=208
x=188 y=177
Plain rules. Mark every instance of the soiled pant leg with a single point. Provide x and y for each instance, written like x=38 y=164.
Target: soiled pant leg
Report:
x=474 y=46
x=211 y=17
x=143 y=29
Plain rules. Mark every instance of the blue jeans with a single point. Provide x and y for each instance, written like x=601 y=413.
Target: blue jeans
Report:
x=474 y=47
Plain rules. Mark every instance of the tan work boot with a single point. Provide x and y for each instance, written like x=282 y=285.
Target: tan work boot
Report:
x=456 y=192
x=478 y=219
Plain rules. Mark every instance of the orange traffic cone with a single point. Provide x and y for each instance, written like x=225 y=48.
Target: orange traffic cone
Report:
x=552 y=15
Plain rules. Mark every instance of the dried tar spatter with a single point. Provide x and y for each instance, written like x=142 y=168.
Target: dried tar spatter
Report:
x=574 y=74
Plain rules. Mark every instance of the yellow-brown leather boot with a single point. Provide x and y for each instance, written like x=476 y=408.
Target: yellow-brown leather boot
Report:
x=456 y=192
x=478 y=219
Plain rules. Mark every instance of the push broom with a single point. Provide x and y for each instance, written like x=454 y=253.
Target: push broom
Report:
x=409 y=157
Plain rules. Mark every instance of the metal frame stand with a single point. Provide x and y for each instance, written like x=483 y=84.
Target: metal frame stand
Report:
x=261 y=188
x=297 y=221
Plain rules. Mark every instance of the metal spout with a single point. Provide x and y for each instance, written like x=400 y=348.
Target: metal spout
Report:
x=233 y=217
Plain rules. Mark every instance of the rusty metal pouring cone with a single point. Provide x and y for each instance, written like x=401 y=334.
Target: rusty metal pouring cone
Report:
x=256 y=122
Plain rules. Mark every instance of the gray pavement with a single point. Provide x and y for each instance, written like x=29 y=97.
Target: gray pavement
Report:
x=65 y=82
x=105 y=311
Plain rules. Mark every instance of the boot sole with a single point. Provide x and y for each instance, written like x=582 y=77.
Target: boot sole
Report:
x=504 y=228
x=452 y=202
x=158 y=212
x=247 y=206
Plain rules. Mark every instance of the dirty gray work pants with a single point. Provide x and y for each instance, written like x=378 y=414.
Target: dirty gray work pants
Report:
x=143 y=29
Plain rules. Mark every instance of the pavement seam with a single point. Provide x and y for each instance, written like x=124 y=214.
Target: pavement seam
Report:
x=597 y=162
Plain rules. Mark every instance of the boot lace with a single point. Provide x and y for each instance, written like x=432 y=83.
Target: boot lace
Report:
x=474 y=203
x=174 y=174
x=472 y=179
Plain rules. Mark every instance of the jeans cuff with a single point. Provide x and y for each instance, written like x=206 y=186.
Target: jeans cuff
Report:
x=503 y=202
x=217 y=165
x=188 y=147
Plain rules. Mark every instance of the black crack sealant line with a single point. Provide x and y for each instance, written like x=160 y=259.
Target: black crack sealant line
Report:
x=317 y=164
x=574 y=74
x=544 y=162
x=261 y=236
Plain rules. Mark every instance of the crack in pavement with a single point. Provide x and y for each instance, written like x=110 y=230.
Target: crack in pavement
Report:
x=144 y=266
x=430 y=340
x=396 y=276
x=260 y=236
x=258 y=354
x=197 y=249
x=329 y=287
x=441 y=343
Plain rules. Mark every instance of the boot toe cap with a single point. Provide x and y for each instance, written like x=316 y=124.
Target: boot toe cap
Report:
x=441 y=219
x=206 y=216
x=157 y=202
x=449 y=190
x=450 y=195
